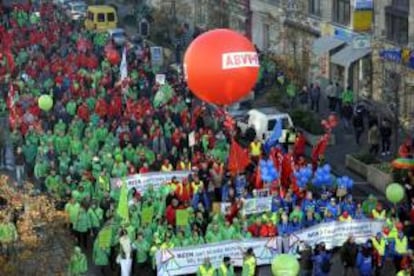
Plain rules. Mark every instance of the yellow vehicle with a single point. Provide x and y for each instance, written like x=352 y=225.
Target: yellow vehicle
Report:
x=101 y=18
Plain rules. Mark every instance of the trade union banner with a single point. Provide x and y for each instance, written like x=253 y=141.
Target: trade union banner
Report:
x=186 y=260
x=141 y=182
x=251 y=206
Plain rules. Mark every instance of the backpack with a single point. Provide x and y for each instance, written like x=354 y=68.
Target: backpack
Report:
x=326 y=265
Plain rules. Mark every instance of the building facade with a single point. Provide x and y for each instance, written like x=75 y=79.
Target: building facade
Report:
x=325 y=39
x=393 y=58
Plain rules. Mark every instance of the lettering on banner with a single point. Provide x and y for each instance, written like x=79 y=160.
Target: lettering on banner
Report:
x=239 y=60
x=141 y=182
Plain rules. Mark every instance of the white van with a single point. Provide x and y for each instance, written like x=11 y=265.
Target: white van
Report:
x=263 y=120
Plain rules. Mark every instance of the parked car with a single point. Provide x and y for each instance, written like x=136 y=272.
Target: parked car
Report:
x=76 y=10
x=118 y=35
x=263 y=121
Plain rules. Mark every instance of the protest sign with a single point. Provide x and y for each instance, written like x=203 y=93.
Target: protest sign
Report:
x=186 y=260
x=160 y=79
x=147 y=214
x=181 y=217
x=251 y=206
x=141 y=182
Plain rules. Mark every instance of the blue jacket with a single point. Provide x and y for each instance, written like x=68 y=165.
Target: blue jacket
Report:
x=203 y=198
x=308 y=223
x=225 y=193
x=285 y=229
x=307 y=204
x=349 y=207
x=276 y=203
x=295 y=226
x=321 y=205
x=239 y=185
x=318 y=260
x=359 y=215
x=364 y=265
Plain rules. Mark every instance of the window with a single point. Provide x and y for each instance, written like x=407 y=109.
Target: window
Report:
x=90 y=16
x=101 y=17
x=342 y=12
x=401 y=4
x=315 y=7
x=397 y=26
x=111 y=17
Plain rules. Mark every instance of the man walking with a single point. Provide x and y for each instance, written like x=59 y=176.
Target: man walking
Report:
x=330 y=94
x=315 y=94
x=386 y=133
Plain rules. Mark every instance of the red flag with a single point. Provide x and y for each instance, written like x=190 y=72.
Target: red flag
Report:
x=320 y=148
x=287 y=170
x=238 y=158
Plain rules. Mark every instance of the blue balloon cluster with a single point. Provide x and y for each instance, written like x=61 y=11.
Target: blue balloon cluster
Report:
x=303 y=176
x=268 y=171
x=323 y=176
x=345 y=182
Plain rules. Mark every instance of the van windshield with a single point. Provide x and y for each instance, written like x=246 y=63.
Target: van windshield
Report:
x=79 y=8
x=271 y=124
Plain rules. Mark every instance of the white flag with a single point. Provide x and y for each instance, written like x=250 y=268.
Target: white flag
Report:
x=124 y=67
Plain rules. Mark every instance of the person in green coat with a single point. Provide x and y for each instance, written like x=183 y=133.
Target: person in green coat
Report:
x=53 y=183
x=78 y=264
x=76 y=146
x=61 y=142
x=8 y=235
x=82 y=226
x=95 y=214
x=72 y=210
x=100 y=255
x=214 y=234
x=142 y=254
x=64 y=163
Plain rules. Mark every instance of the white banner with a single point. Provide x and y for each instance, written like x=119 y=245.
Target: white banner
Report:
x=186 y=260
x=182 y=261
x=335 y=233
x=251 y=206
x=141 y=181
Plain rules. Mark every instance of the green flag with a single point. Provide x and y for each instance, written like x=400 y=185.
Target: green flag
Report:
x=182 y=217
x=122 y=209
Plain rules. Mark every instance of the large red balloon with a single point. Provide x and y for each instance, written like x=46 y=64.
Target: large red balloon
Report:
x=221 y=66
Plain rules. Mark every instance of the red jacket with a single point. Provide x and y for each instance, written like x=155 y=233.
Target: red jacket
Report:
x=83 y=112
x=101 y=107
x=170 y=212
x=254 y=229
x=184 y=192
x=268 y=231
x=300 y=146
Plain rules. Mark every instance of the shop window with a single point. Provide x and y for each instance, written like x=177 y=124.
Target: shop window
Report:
x=342 y=12
x=396 y=21
x=409 y=103
x=315 y=7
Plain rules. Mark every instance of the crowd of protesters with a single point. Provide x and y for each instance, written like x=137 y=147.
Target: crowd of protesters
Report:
x=101 y=128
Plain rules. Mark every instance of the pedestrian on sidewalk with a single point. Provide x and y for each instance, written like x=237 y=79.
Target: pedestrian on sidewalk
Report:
x=347 y=113
x=330 y=93
x=358 y=123
x=338 y=101
x=386 y=132
x=315 y=95
x=373 y=138
x=19 y=162
x=303 y=97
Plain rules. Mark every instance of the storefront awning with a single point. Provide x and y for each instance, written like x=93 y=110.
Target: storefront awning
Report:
x=325 y=44
x=348 y=55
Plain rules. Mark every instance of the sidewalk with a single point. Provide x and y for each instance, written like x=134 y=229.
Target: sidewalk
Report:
x=335 y=154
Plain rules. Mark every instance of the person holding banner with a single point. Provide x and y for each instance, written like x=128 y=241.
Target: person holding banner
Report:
x=226 y=268
x=249 y=263
x=206 y=269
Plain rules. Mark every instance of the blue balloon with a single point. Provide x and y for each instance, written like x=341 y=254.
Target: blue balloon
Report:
x=327 y=167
